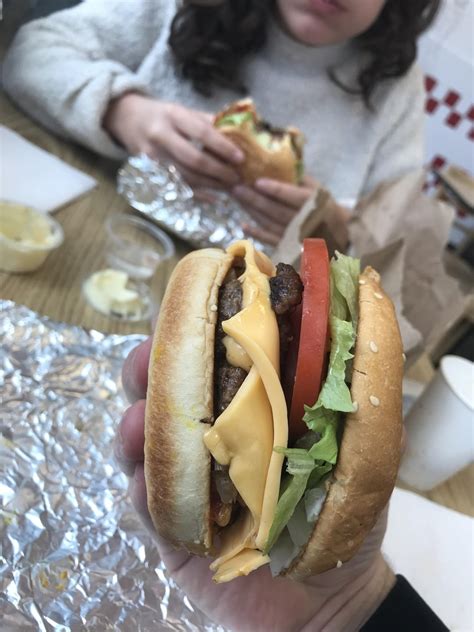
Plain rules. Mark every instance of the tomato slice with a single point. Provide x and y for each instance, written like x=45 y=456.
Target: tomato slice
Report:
x=312 y=349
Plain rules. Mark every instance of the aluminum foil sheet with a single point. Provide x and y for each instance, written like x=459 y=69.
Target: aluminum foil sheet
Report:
x=204 y=218
x=74 y=555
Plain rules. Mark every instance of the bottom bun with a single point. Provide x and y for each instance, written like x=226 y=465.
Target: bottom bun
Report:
x=369 y=455
x=179 y=403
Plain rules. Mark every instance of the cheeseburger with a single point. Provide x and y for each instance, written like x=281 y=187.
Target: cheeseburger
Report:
x=273 y=415
x=270 y=152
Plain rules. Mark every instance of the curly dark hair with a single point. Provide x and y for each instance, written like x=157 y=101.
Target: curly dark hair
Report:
x=209 y=39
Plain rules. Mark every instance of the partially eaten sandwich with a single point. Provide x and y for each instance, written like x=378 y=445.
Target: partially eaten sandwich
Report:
x=270 y=152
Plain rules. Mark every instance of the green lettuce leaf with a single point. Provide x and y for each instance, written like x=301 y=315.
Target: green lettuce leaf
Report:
x=299 y=460
x=335 y=394
x=293 y=489
x=345 y=276
x=326 y=448
x=318 y=474
x=235 y=119
x=299 y=466
x=304 y=472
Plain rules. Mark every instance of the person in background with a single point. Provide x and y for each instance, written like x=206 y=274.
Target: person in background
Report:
x=144 y=76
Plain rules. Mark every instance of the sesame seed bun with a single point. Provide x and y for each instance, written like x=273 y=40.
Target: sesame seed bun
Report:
x=369 y=452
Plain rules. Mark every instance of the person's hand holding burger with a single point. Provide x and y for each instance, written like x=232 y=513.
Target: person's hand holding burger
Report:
x=340 y=599
x=327 y=595
x=169 y=131
x=270 y=185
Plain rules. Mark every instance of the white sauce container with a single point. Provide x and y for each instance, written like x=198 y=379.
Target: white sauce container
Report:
x=27 y=236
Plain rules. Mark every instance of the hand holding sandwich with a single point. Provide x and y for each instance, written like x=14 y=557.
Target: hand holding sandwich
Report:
x=340 y=599
x=207 y=156
x=273 y=185
x=169 y=130
x=224 y=465
x=273 y=204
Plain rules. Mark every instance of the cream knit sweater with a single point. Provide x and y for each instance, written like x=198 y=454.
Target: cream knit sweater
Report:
x=63 y=70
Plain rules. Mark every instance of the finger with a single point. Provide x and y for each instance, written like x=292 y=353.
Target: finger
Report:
x=130 y=438
x=137 y=493
x=206 y=196
x=197 y=180
x=266 y=236
x=288 y=194
x=310 y=182
x=200 y=162
x=135 y=371
x=267 y=208
x=193 y=179
x=404 y=440
x=196 y=128
x=208 y=117
x=266 y=223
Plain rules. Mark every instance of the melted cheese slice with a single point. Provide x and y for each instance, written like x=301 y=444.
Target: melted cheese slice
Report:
x=244 y=435
x=243 y=563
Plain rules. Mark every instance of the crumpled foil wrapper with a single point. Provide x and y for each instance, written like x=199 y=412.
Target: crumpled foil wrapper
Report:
x=74 y=555
x=205 y=218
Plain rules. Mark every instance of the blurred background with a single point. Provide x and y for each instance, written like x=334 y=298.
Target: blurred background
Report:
x=446 y=55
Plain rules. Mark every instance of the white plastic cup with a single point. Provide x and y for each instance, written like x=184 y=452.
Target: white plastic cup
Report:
x=440 y=427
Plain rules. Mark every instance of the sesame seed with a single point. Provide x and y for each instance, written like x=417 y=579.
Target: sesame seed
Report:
x=373 y=346
x=377 y=295
x=362 y=282
x=375 y=401
x=404 y=358
x=355 y=406
x=339 y=564
x=213 y=308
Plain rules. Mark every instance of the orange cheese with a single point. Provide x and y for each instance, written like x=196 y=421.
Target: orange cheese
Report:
x=244 y=435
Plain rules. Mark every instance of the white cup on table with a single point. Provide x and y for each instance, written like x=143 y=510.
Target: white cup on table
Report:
x=440 y=427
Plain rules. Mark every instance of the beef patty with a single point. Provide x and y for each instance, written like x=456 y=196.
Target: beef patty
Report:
x=286 y=291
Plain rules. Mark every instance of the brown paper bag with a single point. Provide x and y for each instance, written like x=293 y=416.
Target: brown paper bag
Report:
x=402 y=233
x=309 y=222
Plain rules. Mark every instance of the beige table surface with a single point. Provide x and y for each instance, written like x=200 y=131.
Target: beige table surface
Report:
x=55 y=289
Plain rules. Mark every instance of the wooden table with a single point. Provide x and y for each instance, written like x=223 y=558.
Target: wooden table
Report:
x=55 y=289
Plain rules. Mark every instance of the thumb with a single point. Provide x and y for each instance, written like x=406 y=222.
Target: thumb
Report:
x=206 y=116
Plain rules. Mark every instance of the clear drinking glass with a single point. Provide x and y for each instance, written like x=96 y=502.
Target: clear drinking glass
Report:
x=142 y=251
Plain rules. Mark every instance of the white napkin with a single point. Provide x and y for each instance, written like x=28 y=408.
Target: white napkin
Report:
x=433 y=548
x=33 y=177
